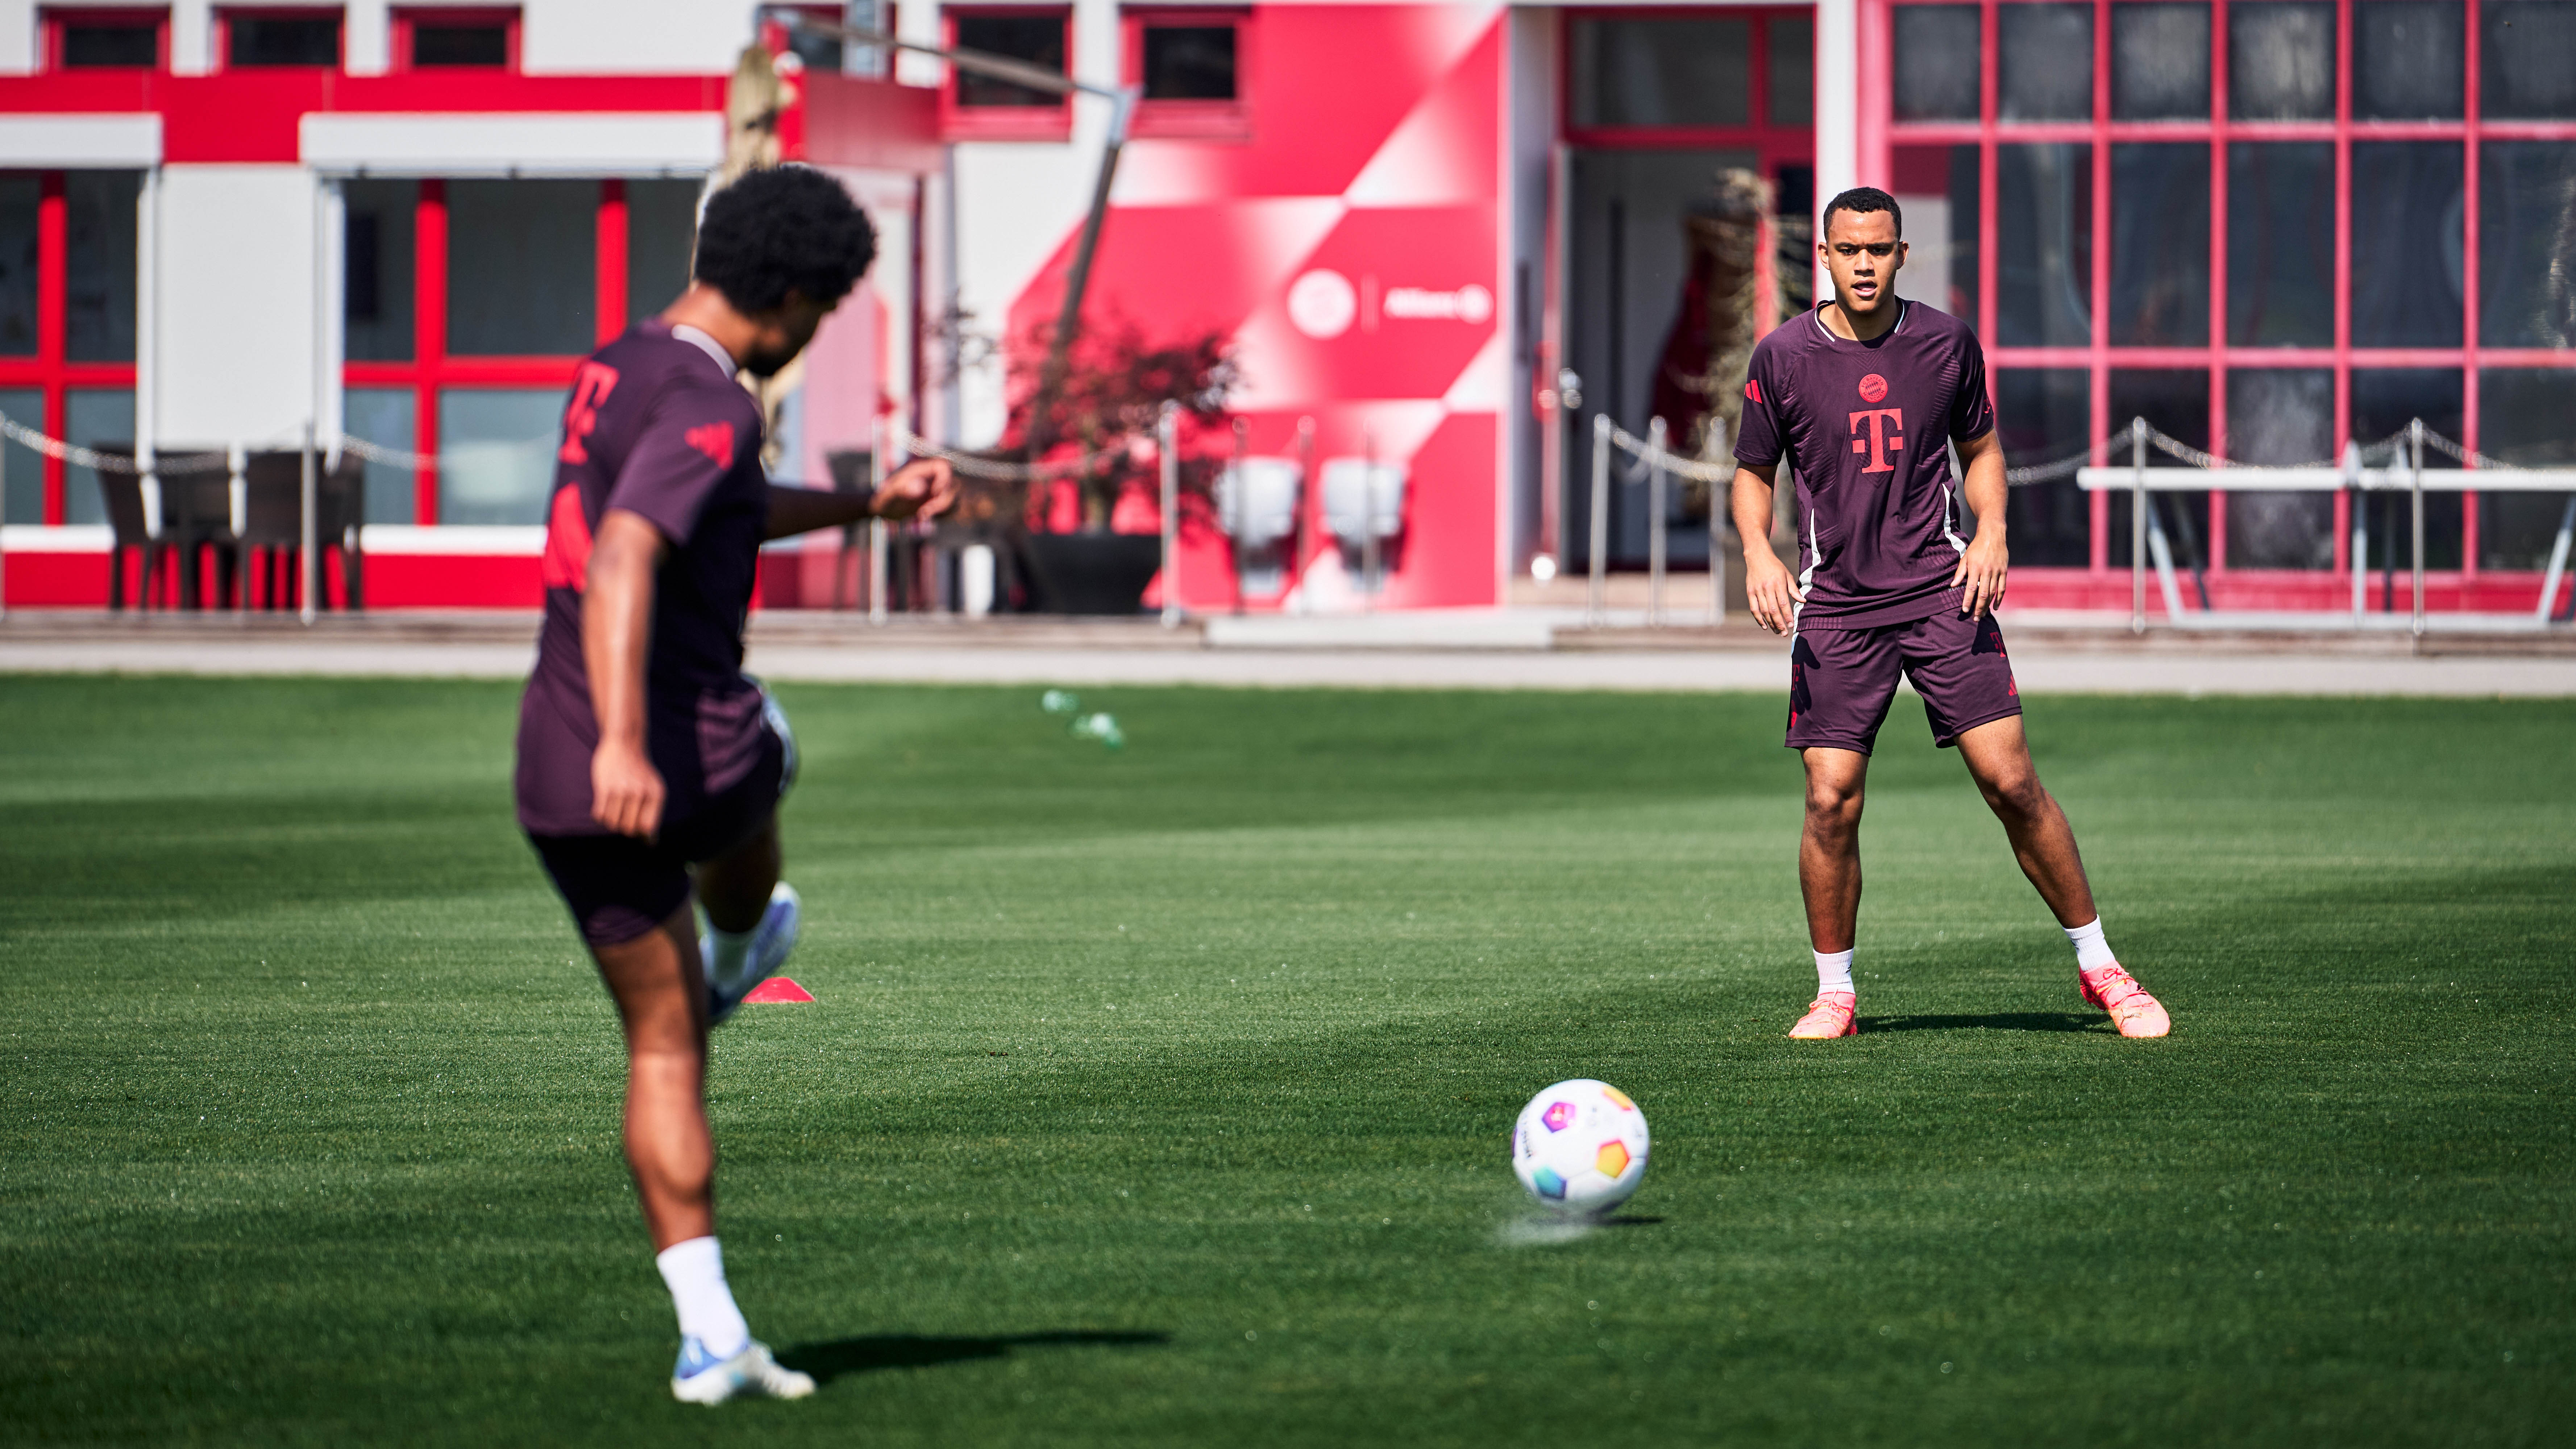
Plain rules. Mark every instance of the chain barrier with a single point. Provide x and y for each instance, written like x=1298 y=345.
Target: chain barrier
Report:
x=994 y=470
x=1647 y=454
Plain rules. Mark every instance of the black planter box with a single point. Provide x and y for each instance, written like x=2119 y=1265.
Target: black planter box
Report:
x=1092 y=573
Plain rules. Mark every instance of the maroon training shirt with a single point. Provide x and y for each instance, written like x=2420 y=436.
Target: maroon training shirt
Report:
x=658 y=427
x=1864 y=425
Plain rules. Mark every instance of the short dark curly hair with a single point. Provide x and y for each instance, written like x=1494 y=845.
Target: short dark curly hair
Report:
x=782 y=230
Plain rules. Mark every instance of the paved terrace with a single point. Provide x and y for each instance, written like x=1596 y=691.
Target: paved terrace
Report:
x=1480 y=649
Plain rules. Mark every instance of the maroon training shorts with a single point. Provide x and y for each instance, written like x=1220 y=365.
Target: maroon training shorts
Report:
x=1840 y=680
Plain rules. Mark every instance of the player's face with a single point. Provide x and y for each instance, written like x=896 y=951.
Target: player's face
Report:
x=1862 y=252
x=783 y=334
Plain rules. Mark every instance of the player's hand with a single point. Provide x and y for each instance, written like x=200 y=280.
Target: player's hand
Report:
x=1981 y=569
x=625 y=790
x=923 y=488
x=1769 y=590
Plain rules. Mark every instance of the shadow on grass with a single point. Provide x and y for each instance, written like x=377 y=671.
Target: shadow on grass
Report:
x=1998 y=1021
x=831 y=1359
x=1630 y=1220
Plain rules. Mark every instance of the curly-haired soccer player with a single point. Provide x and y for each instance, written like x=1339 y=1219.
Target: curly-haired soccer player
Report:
x=1867 y=394
x=650 y=768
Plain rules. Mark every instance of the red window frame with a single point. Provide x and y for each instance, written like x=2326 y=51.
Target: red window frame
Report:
x=49 y=370
x=432 y=369
x=1004 y=123
x=1214 y=120
x=407 y=21
x=56 y=20
x=227 y=14
x=2219 y=129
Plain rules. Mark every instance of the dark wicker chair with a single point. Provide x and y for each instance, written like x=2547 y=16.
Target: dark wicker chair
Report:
x=273 y=525
x=191 y=500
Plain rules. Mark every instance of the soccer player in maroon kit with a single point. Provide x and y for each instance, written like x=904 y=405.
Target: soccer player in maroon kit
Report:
x=650 y=768
x=1865 y=395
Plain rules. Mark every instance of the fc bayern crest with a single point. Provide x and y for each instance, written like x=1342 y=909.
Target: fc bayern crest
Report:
x=1872 y=388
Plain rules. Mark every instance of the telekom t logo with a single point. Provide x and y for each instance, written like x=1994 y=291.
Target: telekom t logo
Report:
x=1883 y=437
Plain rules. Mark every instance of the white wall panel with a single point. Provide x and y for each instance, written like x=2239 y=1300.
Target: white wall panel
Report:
x=631 y=37
x=17 y=37
x=235 y=349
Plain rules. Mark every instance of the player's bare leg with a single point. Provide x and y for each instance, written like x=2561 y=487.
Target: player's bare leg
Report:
x=660 y=990
x=1998 y=757
x=753 y=916
x=1829 y=879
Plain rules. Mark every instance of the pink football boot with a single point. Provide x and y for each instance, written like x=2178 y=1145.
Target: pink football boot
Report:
x=2132 y=1010
x=1828 y=1016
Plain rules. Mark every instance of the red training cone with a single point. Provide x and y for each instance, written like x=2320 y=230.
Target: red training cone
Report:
x=777 y=988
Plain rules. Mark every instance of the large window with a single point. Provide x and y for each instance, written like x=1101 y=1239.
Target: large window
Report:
x=83 y=38
x=1188 y=67
x=467 y=304
x=67 y=326
x=984 y=107
x=2268 y=226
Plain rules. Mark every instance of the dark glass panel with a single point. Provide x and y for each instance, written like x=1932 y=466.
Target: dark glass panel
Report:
x=1793 y=71
x=819 y=51
x=1189 y=63
x=661 y=234
x=2526 y=238
x=100 y=263
x=261 y=40
x=2044 y=262
x=2045 y=62
x=111 y=43
x=2160 y=62
x=376 y=288
x=2174 y=401
x=2160 y=244
x=1937 y=187
x=495 y=453
x=22 y=499
x=2529 y=60
x=2043 y=415
x=2408 y=63
x=93 y=417
x=2281 y=61
x=387 y=416
x=2408 y=235
x=20 y=197
x=2280 y=243
x=2523 y=417
x=443 y=44
x=1035 y=39
x=521 y=274
x=1939 y=62
x=1694 y=72
x=2384 y=401
x=2280 y=416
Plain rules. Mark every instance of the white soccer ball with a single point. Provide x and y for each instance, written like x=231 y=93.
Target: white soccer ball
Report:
x=1580 y=1148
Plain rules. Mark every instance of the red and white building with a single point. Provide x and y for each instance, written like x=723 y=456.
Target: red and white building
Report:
x=2266 y=225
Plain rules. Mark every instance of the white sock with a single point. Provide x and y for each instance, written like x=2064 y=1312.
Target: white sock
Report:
x=1833 y=972
x=694 y=1270
x=2091 y=951
x=731 y=950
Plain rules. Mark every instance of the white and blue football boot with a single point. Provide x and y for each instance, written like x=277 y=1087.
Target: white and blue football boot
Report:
x=702 y=1378
x=771 y=940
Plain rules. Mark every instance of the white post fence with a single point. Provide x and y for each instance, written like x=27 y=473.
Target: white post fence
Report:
x=1655 y=522
x=1597 y=597
x=1167 y=442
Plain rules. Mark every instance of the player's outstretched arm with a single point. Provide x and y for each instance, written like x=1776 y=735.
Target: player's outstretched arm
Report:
x=616 y=632
x=1981 y=569
x=923 y=489
x=1769 y=591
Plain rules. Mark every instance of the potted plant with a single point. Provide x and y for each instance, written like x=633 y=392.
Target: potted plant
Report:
x=1089 y=542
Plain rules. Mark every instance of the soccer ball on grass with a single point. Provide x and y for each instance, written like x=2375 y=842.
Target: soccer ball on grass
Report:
x=1580 y=1148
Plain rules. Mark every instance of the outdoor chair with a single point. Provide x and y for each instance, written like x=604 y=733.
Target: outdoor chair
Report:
x=1256 y=499
x=1364 y=511
x=194 y=512
x=273 y=527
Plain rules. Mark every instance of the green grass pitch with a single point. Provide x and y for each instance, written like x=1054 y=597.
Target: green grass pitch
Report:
x=1159 y=1097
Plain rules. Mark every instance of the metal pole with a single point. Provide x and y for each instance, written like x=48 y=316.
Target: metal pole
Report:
x=1234 y=524
x=113 y=546
x=876 y=526
x=1655 y=435
x=2360 y=530
x=1308 y=491
x=2557 y=562
x=2415 y=471
x=1717 y=504
x=1600 y=518
x=308 y=569
x=2138 y=526
x=1167 y=440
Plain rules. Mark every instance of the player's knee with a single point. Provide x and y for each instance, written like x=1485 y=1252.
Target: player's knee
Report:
x=2016 y=796
x=1832 y=808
